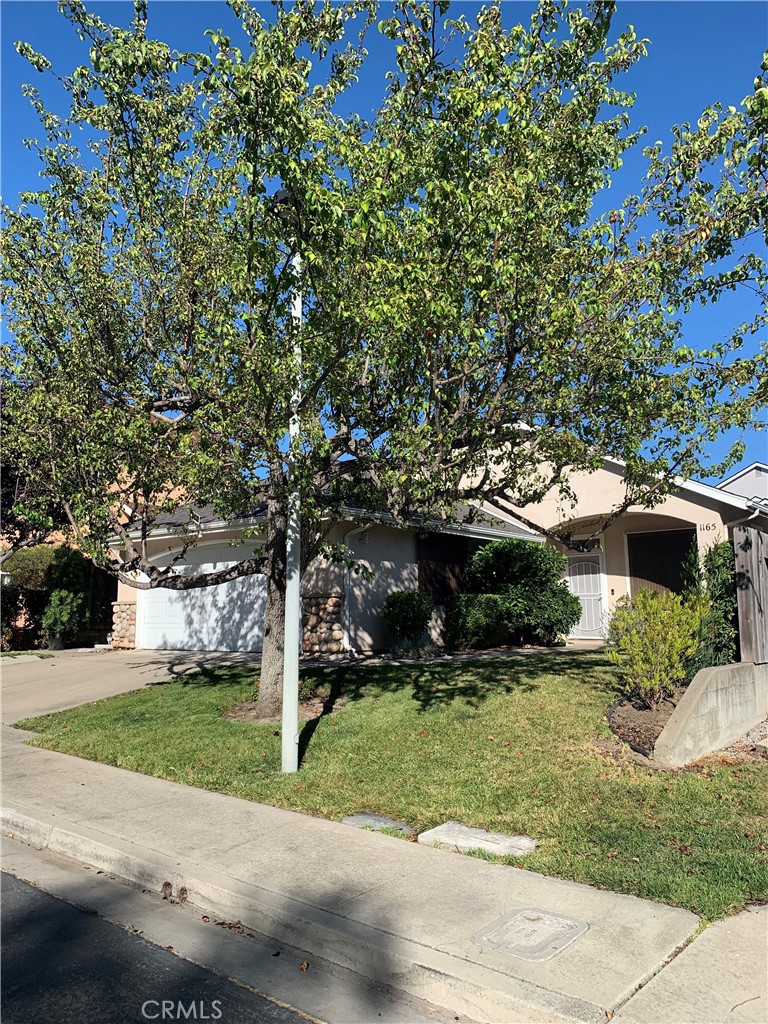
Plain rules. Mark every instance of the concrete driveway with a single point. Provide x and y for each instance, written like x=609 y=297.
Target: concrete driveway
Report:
x=34 y=686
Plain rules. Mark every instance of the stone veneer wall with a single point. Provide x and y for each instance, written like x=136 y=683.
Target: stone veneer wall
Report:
x=123 y=626
x=323 y=630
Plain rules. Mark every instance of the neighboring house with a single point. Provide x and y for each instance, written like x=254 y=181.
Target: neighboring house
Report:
x=643 y=547
x=751 y=482
x=342 y=611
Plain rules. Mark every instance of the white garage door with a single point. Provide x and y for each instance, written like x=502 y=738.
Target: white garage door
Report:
x=227 y=617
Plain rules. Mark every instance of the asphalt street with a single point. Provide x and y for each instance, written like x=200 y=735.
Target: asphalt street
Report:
x=62 y=965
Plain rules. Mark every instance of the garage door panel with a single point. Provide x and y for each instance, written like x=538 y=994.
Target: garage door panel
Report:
x=227 y=617
x=204 y=556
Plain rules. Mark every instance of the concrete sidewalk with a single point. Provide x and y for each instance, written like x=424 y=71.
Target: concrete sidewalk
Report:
x=720 y=978
x=397 y=912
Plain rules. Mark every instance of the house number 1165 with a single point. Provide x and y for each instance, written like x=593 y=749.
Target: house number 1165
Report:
x=707 y=527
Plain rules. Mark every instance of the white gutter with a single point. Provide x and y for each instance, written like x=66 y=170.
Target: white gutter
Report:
x=215 y=526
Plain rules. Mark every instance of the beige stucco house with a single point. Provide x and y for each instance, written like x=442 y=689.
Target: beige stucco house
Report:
x=342 y=610
x=642 y=548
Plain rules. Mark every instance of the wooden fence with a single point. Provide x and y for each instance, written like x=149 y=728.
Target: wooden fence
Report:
x=751 y=550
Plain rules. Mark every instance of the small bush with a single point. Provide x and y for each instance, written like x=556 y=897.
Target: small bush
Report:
x=65 y=613
x=407 y=614
x=414 y=650
x=652 y=637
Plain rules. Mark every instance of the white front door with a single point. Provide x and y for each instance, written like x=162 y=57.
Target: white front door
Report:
x=585 y=580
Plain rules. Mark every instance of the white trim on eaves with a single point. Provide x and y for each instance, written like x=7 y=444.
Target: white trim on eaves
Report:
x=475 y=531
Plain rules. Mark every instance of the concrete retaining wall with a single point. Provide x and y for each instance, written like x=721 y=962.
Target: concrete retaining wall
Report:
x=719 y=706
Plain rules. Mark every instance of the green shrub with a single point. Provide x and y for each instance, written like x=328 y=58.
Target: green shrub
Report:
x=714 y=577
x=652 y=637
x=10 y=608
x=68 y=570
x=65 y=613
x=407 y=614
x=479 y=620
x=414 y=650
x=10 y=602
x=495 y=567
x=28 y=568
x=34 y=575
x=517 y=595
x=25 y=592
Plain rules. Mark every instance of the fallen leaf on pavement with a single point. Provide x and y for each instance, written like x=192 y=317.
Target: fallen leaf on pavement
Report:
x=304 y=966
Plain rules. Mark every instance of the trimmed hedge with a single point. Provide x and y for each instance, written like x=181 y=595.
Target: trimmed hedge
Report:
x=28 y=568
x=407 y=614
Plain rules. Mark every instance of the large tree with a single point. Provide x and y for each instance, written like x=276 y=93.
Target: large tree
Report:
x=472 y=327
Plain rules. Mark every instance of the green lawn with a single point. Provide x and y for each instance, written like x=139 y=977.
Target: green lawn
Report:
x=506 y=744
x=25 y=654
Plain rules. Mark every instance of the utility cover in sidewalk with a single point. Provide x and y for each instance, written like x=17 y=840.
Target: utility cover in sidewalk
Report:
x=376 y=822
x=530 y=934
x=455 y=836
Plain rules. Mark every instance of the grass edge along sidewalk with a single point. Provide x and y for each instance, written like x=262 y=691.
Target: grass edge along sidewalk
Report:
x=508 y=744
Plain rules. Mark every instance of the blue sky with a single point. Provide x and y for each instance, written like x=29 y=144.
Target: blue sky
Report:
x=700 y=52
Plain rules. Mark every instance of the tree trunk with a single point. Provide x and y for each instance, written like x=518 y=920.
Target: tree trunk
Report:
x=270 y=700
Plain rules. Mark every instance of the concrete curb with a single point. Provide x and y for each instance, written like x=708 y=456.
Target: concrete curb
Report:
x=450 y=981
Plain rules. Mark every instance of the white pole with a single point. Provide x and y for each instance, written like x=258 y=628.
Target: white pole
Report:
x=293 y=616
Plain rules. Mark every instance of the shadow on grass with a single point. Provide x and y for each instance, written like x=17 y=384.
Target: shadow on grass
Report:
x=334 y=691
x=438 y=683
x=210 y=675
